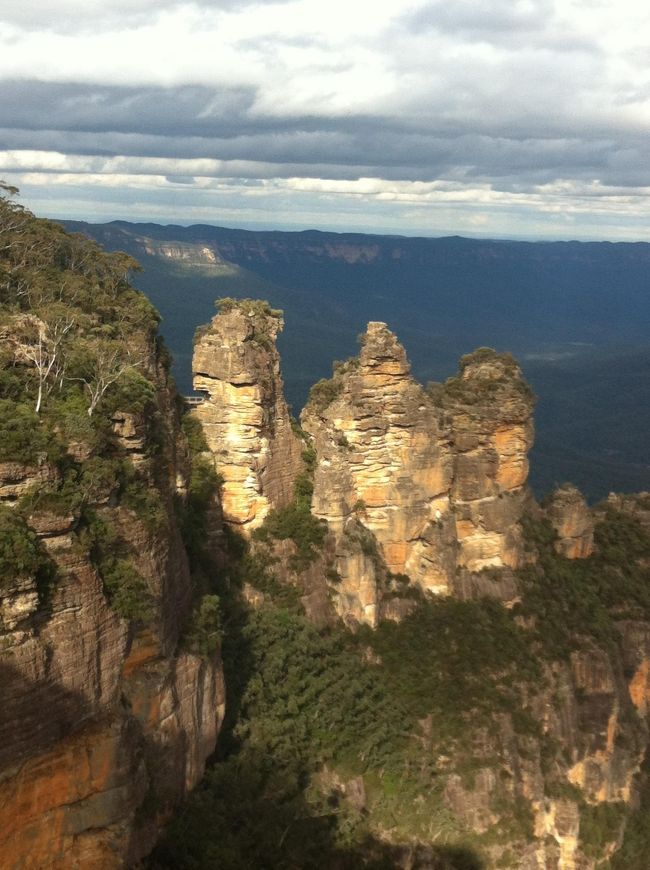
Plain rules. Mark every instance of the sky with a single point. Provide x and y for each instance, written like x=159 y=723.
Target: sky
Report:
x=503 y=118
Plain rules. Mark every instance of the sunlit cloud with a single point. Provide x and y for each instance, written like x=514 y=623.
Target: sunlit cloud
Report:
x=533 y=111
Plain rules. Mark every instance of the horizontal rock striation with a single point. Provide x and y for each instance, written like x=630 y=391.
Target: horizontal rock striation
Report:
x=106 y=722
x=245 y=417
x=437 y=478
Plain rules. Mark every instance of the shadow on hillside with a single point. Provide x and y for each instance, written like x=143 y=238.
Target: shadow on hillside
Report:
x=252 y=811
x=35 y=714
x=247 y=815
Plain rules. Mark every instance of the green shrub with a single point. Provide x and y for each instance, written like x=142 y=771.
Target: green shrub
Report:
x=24 y=437
x=203 y=633
x=194 y=434
x=21 y=554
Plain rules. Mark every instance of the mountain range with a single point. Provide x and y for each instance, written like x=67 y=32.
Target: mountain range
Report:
x=576 y=315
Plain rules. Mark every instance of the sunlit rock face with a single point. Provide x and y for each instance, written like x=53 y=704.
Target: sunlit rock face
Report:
x=245 y=417
x=437 y=480
x=490 y=409
x=573 y=522
x=385 y=463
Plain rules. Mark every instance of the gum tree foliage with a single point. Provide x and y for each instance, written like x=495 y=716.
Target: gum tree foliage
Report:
x=77 y=344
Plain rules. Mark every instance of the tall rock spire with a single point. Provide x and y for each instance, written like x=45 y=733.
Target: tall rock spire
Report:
x=245 y=416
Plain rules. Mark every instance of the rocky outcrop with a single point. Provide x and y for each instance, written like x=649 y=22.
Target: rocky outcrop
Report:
x=490 y=408
x=425 y=486
x=17 y=479
x=383 y=476
x=245 y=417
x=572 y=521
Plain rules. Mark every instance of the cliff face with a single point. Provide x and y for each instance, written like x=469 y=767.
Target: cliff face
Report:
x=108 y=712
x=245 y=417
x=573 y=522
x=106 y=723
x=437 y=480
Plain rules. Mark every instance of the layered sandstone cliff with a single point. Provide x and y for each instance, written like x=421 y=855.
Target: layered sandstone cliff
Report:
x=436 y=479
x=245 y=417
x=573 y=522
x=106 y=721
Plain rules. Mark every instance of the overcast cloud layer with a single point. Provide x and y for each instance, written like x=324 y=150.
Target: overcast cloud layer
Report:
x=500 y=117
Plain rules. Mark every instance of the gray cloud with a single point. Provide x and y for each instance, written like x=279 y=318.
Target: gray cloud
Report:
x=494 y=103
x=193 y=123
x=80 y=16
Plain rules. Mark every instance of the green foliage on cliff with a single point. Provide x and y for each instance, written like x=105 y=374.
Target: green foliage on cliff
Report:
x=295 y=521
x=505 y=380
x=204 y=630
x=326 y=390
x=249 y=307
x=572 y=600
x=78 y=349
x=116 y=564
x=22 y=438
x=21 y=553
x=69 y=320
x=600 y=827
x=456 y=660
x=635 y=848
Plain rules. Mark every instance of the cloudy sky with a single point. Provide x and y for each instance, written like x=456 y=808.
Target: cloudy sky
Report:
x=520 y=118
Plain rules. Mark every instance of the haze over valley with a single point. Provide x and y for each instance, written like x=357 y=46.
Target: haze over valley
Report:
x=576 y=315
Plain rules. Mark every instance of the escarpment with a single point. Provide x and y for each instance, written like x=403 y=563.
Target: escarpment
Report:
x=424 y=666
x=111 y=701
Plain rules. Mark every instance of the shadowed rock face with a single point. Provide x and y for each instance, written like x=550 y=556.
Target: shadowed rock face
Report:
x=490 y=410
x=104 y=725
x=245 y=417
x=439 y=481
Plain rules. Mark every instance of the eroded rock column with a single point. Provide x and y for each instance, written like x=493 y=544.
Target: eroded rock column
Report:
x=245 y=417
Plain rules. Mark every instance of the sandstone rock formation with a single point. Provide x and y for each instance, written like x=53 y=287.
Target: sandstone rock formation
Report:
x=416 y=484
x=490 y=409
x=106 y=723
x=574 y=524
x=245 y=417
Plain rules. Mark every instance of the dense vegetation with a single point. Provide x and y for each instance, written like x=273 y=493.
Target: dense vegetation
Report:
x=78 y=351
x=403 y=706
x=576 y=601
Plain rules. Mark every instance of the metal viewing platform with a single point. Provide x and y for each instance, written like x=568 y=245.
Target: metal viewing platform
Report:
x=193 y=401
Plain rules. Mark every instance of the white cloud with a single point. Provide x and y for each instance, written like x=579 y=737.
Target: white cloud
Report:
x=541 y=105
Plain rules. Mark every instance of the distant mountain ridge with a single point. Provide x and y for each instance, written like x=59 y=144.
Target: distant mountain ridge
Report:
x=570 y=311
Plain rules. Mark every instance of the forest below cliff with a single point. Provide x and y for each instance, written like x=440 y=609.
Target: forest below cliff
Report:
x=460 y=682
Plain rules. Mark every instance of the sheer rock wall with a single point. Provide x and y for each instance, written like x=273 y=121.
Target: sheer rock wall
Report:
x=105 y=724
